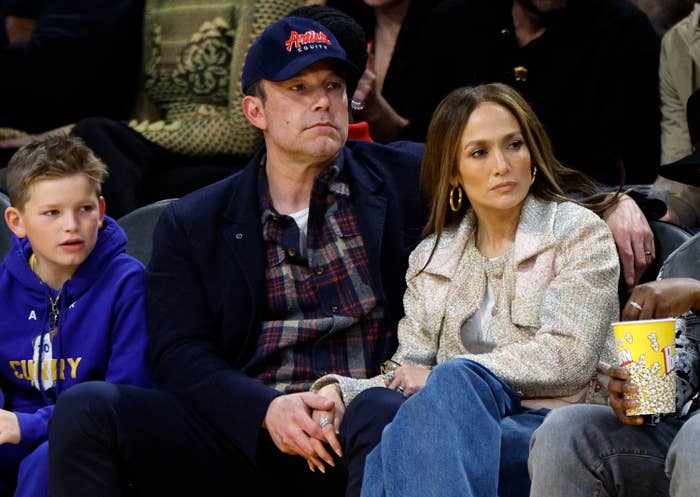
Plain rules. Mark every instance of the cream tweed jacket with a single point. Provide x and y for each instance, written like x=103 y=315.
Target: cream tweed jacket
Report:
x=555 y=297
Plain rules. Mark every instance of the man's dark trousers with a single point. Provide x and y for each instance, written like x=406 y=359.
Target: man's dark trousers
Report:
x=111 y=440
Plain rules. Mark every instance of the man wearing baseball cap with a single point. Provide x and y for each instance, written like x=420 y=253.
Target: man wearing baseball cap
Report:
x=259 y=285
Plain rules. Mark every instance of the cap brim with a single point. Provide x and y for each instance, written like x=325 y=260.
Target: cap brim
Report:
x=685 y=170
x=295 y=67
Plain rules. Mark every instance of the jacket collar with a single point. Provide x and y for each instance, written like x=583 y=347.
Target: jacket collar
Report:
x=243 y=229
x=534 y=235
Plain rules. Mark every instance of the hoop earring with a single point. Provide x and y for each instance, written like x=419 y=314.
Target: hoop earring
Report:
x=455 y=206
x=534 y=173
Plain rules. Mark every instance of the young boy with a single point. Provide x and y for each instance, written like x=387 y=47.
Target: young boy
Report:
x=72 y=305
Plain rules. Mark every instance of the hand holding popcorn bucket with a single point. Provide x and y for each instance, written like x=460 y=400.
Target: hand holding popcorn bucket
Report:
x=646 y=348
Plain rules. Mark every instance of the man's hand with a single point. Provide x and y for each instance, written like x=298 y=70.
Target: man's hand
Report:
x=333 y=417
x=408 y=379
x=617 y=379
x=633 y=237
x=665 y=298
x=19 y=28
x=293 y=431
x=9 y=428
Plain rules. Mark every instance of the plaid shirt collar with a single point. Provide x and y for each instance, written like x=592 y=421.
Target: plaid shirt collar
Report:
x=329 y=180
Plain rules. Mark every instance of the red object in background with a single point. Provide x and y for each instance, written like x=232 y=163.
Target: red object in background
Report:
x=359 y=131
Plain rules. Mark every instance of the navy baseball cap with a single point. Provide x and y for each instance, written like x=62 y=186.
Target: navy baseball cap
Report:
x=289 y=46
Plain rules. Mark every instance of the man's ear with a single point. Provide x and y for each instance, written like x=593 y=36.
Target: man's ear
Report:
x=253 y=111
x=13 y=219
x=103 y=209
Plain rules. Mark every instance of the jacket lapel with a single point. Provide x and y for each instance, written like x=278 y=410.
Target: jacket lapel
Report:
x=535 y=229
x=369 y=204
x=242 y=229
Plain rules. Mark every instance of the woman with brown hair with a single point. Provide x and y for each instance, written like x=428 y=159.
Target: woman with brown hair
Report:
x=509 y=301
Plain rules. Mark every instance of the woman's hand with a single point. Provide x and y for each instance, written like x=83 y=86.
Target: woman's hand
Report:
x=407 y=379
x=330 y=425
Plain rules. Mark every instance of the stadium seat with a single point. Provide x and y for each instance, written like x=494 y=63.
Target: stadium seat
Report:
x=667 y=238
x=139 y=225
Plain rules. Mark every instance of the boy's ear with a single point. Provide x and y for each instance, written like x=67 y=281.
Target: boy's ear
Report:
x=103 y=209
x=254 y=111
x=13 y=219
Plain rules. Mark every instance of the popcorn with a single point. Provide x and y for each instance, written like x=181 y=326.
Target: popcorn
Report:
x=655 y=393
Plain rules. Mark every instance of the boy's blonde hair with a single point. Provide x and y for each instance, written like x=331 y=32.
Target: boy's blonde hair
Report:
x=53 y=157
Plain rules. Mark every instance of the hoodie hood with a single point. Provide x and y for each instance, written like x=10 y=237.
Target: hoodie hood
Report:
x=111 y=241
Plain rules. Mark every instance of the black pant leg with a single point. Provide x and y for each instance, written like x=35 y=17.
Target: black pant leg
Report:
x=105 y=436
x=364 y=420
x=10 y=457
x=110 y=440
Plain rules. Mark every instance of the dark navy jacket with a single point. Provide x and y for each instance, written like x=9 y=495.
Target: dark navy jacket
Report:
x=206 y=288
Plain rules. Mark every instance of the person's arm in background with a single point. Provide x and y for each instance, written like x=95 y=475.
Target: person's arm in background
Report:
x=675 y=137
x=385 y=123
x=20 y=19
x=633 y=238
x=683 y=200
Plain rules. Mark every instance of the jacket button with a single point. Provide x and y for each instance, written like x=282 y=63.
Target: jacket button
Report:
x=291 y=252
x=334 y=309
x=319 y=271
x=494 y=311
x=239 y=236
x=498 y=272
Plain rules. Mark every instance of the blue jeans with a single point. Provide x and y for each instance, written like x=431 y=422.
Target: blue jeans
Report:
x=585 y=450
x=447 y=439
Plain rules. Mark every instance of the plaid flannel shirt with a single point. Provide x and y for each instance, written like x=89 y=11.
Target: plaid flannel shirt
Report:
x=322 y=313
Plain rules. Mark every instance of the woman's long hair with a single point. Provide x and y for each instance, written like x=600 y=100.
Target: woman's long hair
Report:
x=553 y=182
